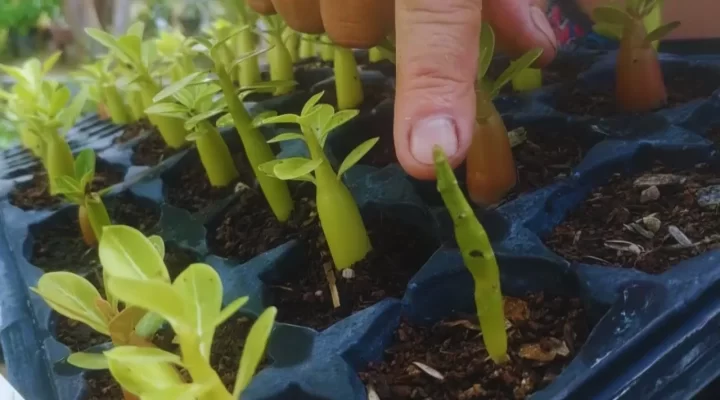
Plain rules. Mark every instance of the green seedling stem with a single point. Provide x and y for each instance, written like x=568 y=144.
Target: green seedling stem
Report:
x=340 y=217
x=347 y=80
x=292 y=43
x=281 y=63
x=375 y=55
x=479 y=258
x=326 y=48
x=307 y=46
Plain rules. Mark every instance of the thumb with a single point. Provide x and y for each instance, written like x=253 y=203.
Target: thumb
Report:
x=437 y=51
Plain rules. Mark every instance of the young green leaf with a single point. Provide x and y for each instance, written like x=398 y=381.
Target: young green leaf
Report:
x=231 y=309
x=175 y=87
x=611 y=15
x=336 y=120
x=514 y=69
x=139 y=378
x=74 y=297
x=173 y=110
x=254 y=350
x=286 y=136
x=248 y=56
x=91 y=361
x=263 y=116
x=355 y=155
x=158 y=243
x=155 y=296
x=311 y=103
x=84 y=165
x=110 y=42
x=69 y=186
x=661 y=32
x=225 y=121
x=200 y=287
x=136 y=29
x=279 y=119
x=126 y=252
x=487 y=49
x=295 y=167
x=200 y=117
x=142 y=355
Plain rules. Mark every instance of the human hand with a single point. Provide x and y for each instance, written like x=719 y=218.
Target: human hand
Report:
x=437 y=50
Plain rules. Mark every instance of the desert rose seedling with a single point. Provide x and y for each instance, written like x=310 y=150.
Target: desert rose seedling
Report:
x=339 y=214
x=490 y=164
x=307 y=46
x=92 y=214
x=479 y=258
x=291 y=39
x=140 y=61
x=103 y=90
x=245 y=42
x=639 y=85
x=192 y=305
x=256 y=148
x=281 y=63
x=178 y=53
x=195 y=104
x=348 y=87
x=124 y=252
x=325 y=48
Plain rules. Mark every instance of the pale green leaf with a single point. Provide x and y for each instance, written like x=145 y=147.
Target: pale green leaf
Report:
x=136 y=29
x=514 y=69
x=611 y=15
x=254 y=350
x=50 y=62
x=108 y=41
x=172 y=110
x=200 y=287
x=74 y=297
x=245 y=57
x=70 y=114
x=268 y=168
x=132 y=47
x=311 y=103
x=661 y=32
x=198 y=118
x=159 y=244
x=225 y=121
x=14 y=72
x=185 y=391
x=84 y=165
x=126 y=252
x=139 y=378
x=155 y=296
x=355 y=155
x=91 y=361
x=175 y=87
x=263 y=116
x=286 y=136
x=294 y=167
x=97 y=214
x=143 y=355
x=231 y=309
x=487 y=49
x=279 y=119
x=68 y=186
x=338 y=119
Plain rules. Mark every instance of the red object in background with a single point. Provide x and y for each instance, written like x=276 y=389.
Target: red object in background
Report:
x=565 y=30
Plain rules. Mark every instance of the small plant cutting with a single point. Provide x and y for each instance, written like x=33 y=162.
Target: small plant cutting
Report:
x=490 y=165
x=348 y=87
x=124 y=252
x=246 y=41
x=639 y=85
x=281 y=63
x=140 y=61
x=195 y=104
x=339 y=215
x=177 y=50
x=103 y=90
x=258 y=151
x=92 y=214
x=479 y=258
x=192 y=305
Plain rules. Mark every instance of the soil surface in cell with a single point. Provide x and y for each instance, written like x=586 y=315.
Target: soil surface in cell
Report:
x=544 y=335
x=544 y=157
x=151 y=150
x=682 y=87
x=398 y=252
x=58 y=245
x=378 y=125
x=134 y=130
x=35 y=193
x=189 y=187
x=649 y=221
x=373 y=94
x=227 y=348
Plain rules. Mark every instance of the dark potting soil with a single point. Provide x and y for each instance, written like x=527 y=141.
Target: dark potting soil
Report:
x=619 y=225
x=136 y=129
x=191 y=188
x=543 y=337
x=543 y=158
x=58 y=245
x=682 y=87
x=151 y=150
x=378 y=125
x=35 y=194
x=398 y=253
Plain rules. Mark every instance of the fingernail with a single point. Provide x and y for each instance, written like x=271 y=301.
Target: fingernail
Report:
x=541 y=23
x=427 y=133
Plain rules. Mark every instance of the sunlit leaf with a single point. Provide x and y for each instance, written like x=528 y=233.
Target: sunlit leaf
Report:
x=155 y=296
x=487 y=49
x=198 y=118
x=263 y=116
x=294 y=167
x=142 y=355
x=279 y=119
x=661 y=31
x=231 y=309
x=68 y=186
x=97 y=214
x=514 y=69
x=110 y=42
x=200 y=287
x=286 y=136
x=172 y=110
x=91 y=361
x=139 y=378
x=74 y=297
x=355 y=155
x=338 y=119
x=248 y=56
x=159 y=244
x=311 y=103
x=225 y=121
x=84 y=165
x=175 y=87
x=126 y=252
x=50 y=62
x=254 y=350
x=136 y=29
x=122 y=327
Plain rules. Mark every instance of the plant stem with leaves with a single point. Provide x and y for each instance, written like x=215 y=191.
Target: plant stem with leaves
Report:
x=281 y=63
x=479 y=258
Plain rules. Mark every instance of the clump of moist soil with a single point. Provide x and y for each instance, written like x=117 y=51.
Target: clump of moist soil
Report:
x=544 y=335
x=58 y=245
x=544 y=157
x=398 y=253
x=191 y=190
x=682 y=87
x=136 y=129
x=151 y=150
x=650 y=221
x=35 y=193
